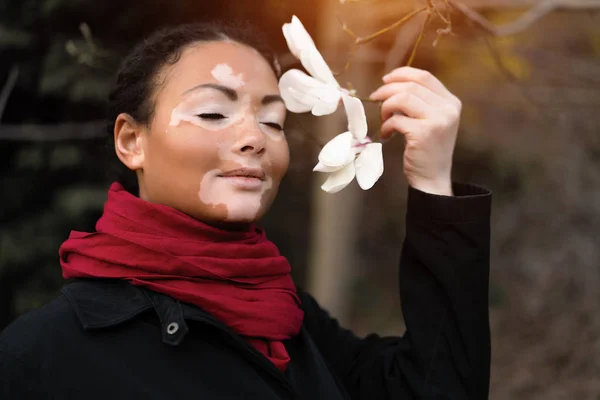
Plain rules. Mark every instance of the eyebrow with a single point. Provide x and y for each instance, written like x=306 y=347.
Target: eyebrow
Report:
x=232 y=94
x=229 y=92
x=271 y=98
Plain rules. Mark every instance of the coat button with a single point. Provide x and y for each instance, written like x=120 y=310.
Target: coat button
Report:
x=172 y=328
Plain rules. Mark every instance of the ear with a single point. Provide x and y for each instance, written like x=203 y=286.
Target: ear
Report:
x=129 y=138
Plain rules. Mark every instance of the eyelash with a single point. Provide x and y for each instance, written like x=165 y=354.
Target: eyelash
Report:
x=213 y=116
x=217 y=116
x=273 y=125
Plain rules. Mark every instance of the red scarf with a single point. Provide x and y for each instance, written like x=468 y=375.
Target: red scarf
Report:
x=237 y=276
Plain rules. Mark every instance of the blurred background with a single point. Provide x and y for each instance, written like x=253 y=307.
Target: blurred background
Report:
x=530 y=132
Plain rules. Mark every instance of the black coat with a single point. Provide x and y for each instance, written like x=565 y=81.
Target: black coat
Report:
x=107 y=339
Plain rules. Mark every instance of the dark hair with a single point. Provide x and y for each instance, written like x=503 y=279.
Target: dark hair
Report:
x=137 y=77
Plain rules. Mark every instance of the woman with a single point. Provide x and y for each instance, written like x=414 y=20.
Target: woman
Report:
x=179 y=295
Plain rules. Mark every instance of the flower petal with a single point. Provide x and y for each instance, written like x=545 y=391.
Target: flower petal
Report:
x=302 y=93
x=297 y=38
x=369 y=165
x=339 y=179
x=293 y=84
x=314 y=63
x=326 y=100
x=357 y=119
x=320 y=167
x=338 y=151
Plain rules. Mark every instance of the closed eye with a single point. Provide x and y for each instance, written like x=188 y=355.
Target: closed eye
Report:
x=273 y=125
x=213 y=116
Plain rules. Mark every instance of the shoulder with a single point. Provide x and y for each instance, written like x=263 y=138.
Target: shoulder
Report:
x=48 y=326
x=308 y=303
x=30 y=343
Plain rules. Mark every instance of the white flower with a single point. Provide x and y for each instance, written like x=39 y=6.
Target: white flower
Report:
x=318 y=92
x=351 y=154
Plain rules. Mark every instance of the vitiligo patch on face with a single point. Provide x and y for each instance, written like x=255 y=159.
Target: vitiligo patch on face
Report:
x=240 y=206
x=196 y=104
x=224 y=74
x=190 y=109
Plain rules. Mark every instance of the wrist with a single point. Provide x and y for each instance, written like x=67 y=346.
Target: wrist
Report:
x=439 y=188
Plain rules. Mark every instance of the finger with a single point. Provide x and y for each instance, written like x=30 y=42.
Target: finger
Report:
x=408 y=104
x=425 y=78
x=401 y=124
x=388 y=90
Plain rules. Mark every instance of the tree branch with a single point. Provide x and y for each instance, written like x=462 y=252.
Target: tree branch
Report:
x=527 y=19
x=418 y=41
x=367 y=39
x=402 y=42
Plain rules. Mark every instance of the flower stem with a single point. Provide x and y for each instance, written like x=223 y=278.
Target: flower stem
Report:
x=367 y=100
x=345 y=27
x=446 y=18
x=377 y=136
x=348 y=62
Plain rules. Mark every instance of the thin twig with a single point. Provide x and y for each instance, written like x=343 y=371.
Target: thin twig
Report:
x=403 y=42
x=441 y=16
x=345 y=27
x=419 y=39
x=448 y=10
x=367 y=99
x=8 y=88
x=367 y=39
x=359 y=40
x=445 y=18
x=348 y=62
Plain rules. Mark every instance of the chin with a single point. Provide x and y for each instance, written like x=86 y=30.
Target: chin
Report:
x=221 y=217
x=234 y=208
x=242 y=217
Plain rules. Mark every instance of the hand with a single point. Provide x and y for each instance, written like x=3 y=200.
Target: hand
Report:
x=416 y=104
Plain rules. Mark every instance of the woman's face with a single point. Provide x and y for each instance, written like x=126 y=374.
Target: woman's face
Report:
x=215 y=149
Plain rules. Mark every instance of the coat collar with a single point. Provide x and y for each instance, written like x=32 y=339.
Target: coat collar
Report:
x=104 y=303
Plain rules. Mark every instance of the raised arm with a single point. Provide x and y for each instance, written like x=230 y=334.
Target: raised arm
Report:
x=445 y=352
x=444 y=268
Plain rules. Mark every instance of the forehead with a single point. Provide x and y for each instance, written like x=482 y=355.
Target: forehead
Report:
x=201 y=62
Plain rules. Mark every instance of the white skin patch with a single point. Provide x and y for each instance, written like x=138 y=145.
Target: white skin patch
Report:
x=224 y=74
x=210 y=110
x=241 y=205
x=206 y=103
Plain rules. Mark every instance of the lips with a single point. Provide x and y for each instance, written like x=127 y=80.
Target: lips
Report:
x=245 y=173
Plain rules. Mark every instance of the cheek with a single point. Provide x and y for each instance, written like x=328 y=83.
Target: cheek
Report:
x=181 y=156
x=271 y=133
x=279 y=159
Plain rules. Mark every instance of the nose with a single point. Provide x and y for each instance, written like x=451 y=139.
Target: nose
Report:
x=252 y=140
